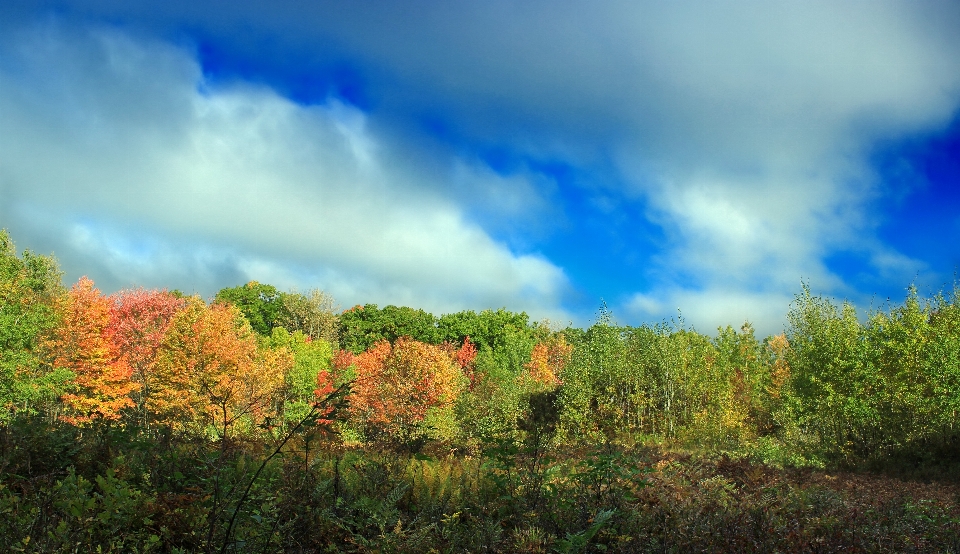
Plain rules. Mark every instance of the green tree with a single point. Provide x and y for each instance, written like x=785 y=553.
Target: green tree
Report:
x=363 y=326
x=597 y=391
x=490 y=408
x=30 y=286
x=310 y=357
x=745 y=370
x=834 y=387
x=942 y=358
x=647 y=380
x=488 y=329
x=915 y=350
x=261 y=304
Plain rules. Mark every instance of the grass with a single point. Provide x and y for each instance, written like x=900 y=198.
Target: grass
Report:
x=135 y=497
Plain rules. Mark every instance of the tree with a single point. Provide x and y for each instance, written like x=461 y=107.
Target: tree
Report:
x=397 y=386
x=314 y=314
x=833 y=385
x=599 y=391
x=30 y=290
x=363 y=326
x=487 y=329
x=138 y=323
x=548 y=360
x=260 y=304
x=745 y=380
x=83 y=344
x=465 y=357
x=211 y=375
x=310 y=368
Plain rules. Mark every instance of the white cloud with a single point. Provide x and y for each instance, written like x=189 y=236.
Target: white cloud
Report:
x=145 y=172
x=746 y=126
x=705 y=310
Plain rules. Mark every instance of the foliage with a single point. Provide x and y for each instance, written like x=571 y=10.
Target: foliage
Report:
x=647 y=380
x=548 y=359
x=159 y=497
x=29 y=294
x=361 y=327
x=138 y=323
x=314 y=314
x=865 y=392
x=398 y=386
x=261 y=304
x=488 y=409
x=210 y=373
x=83 y=344
x=488 y=329
x=471 y=432
x=832 y=381
x=746 y=403
x=311 y=365
x=465 y=356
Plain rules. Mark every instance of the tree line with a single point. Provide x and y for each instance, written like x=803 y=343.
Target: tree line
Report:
x=836 y=388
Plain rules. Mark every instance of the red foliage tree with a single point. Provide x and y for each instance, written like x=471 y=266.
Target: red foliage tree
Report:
x=464 y=357
x=366 y=400
x=323 y=391
x=138 y=322
x=342 y=360
x=466 y=354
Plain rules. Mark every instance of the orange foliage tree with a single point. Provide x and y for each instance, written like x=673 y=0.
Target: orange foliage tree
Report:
x=83 y=344
x=397 y=385
x=210 y=375
x=547 y=360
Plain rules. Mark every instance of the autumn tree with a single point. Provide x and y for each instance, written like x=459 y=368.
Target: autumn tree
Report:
x=138 y=323
x=547 y=361
x=210 y=373
x=83 y=344
x=465 y=356
x=399 y=387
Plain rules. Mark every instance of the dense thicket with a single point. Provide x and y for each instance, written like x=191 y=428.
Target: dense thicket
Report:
x=270 y=418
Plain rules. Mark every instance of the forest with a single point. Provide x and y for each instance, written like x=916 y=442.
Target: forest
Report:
x=264 y=420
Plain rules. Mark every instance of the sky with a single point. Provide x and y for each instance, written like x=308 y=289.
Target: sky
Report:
x=687 y=161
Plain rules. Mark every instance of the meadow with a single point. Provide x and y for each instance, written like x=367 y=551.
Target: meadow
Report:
x=270 y=421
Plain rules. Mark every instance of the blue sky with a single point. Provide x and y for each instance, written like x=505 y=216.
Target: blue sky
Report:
x=706 y=157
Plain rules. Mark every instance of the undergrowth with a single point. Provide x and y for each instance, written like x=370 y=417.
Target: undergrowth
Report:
x=61 y=491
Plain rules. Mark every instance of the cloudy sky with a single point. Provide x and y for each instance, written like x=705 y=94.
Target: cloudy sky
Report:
x=542 y=156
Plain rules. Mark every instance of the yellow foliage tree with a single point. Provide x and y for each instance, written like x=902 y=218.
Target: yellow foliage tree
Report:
x=210 y=374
